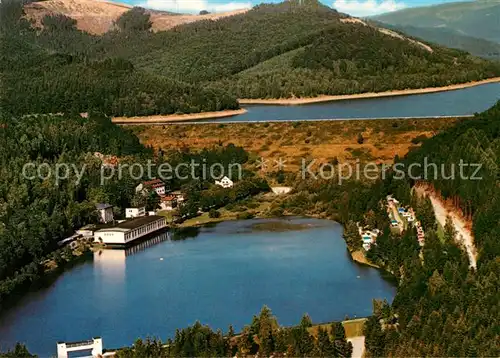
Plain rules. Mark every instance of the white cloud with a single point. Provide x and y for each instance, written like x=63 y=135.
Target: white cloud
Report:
x=367 y=7
x=231 y=6
x=194 y=6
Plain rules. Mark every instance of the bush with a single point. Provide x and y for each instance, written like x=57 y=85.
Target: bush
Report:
x=361 y=140
x=213 y=214
x=245 y=216
x=419 y=139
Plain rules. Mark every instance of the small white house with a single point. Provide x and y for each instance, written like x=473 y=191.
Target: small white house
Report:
x=168 y=202
x=225 y=183
x=105 y=213
x=281 y=190
x=135 y=212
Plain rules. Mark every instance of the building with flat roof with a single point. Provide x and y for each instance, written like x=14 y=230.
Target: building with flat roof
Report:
x=135 y=212
x=130 y=230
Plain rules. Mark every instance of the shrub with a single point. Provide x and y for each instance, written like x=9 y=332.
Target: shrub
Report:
x=213 y=214
x=245 y=216
x=419 y=139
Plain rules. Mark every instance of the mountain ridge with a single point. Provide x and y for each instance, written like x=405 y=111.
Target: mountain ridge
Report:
x=480 y=19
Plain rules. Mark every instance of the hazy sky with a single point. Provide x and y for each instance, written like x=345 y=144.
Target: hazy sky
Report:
x=353 y=7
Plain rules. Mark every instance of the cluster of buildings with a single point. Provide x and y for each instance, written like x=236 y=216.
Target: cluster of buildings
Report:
x=169 y=200
x=408 y=215
x=108 y=231
x=139 y=223
x=369 y=237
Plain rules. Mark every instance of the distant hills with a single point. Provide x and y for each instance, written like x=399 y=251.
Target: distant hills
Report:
x=473 y=26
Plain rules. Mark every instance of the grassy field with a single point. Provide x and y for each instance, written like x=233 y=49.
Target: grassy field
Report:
x=258 y=206
x=353 y=328
x=324 y=141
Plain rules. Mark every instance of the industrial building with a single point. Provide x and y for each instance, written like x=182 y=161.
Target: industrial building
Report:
x=130 y=230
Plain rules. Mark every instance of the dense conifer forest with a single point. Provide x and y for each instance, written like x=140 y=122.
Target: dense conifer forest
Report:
x=437 y=289
x=264 y=336
x=42 y=73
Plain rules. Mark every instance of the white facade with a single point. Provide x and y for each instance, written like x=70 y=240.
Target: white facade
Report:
x=105 y=212
x=157 y=185
x=135 y=212
x=168 y=205
x=130 y=230
x=225 y=183
x=281 y=190
x=95 y=344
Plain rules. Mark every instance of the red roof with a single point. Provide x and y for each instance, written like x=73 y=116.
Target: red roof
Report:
x=155 y=183
x=168 y=198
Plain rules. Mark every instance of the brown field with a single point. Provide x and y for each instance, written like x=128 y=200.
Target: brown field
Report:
x=97 y=17
x=292 y=141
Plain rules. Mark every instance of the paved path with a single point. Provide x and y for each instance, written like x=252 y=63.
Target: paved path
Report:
x=358 y=346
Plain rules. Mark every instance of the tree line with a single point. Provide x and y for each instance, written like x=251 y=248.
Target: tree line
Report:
x=263 y=337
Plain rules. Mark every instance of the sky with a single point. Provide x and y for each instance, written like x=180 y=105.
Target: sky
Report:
x=352 y=7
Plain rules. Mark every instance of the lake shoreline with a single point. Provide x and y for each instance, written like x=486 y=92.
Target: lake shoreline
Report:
x=333 y=98
x=170 y=118
x=356 y=255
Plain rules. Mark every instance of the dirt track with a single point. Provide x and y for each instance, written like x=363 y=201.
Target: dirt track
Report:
x=464 y=235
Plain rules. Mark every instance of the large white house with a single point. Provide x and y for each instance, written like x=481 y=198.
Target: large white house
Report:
x=156 y=184
x=225 y=183
x=105 y=213
x=130 y=230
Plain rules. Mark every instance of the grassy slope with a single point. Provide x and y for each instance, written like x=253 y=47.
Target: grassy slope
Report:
x=474 y=18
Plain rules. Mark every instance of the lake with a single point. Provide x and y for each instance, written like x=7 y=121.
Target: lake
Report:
x=222 y=275
x=453 y=103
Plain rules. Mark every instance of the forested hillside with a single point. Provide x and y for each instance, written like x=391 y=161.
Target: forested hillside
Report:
x=442 y=294
x=51 y=72
x=289 y=49
x=36 y=214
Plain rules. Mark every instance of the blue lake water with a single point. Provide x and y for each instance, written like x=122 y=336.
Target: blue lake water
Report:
x=453 y=103
x=222 y=276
